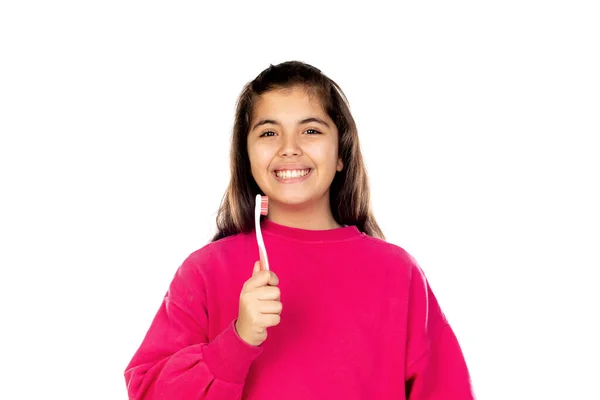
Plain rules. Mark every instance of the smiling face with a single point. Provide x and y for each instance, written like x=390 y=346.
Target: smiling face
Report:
x=293 y=149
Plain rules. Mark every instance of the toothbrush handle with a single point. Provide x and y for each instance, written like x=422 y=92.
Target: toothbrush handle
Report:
x=263 y=261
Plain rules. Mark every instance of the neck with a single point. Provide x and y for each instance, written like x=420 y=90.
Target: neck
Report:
x=310 y=217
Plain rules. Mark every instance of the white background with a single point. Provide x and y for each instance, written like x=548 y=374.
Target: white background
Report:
x=479 y=124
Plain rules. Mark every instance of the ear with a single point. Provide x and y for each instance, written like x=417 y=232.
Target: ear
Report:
x=340 y=165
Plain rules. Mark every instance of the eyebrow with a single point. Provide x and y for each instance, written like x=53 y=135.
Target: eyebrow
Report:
x=303 y=121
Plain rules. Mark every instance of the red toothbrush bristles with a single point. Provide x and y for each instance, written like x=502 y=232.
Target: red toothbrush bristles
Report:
x=264 y=205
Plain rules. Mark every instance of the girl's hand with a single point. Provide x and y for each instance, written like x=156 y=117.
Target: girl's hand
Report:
x=260 y=306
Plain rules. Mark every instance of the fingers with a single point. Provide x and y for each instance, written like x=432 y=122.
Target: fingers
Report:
x=273 y=279
x=271 y=320
x=267 y=293
x=267 y=321
x=262 y=278
x=270 y=307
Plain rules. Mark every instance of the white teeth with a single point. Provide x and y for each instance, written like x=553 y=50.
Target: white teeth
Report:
x=288 y=174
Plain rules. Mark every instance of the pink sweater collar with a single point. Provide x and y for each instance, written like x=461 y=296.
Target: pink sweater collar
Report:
x=307 y=235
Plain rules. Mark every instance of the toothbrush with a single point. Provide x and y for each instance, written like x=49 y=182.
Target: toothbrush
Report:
x=261 y=208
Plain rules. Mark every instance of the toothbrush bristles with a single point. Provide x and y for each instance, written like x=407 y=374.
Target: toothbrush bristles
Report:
x=264 y=205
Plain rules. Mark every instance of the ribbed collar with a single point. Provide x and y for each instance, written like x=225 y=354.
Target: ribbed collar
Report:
x=307 y=235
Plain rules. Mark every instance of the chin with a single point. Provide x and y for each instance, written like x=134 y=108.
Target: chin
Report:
x=292 y=200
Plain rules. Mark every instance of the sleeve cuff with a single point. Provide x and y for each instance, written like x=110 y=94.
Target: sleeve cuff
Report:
x=229 y=357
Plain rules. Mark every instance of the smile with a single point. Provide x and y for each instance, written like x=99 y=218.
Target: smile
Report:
x=295 y=175
x=292 y=173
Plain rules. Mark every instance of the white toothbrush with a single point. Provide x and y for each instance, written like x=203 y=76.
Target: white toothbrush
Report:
x=261 y=208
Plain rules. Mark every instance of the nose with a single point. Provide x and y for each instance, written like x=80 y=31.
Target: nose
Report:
x=289 y=146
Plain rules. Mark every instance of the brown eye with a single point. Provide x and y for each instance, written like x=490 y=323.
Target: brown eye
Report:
x=268 y=133
x=315 y=132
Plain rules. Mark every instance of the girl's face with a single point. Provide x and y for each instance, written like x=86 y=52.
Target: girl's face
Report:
x=293 y=148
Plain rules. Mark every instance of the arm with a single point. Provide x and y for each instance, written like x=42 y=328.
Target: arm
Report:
x=176 y=360
x=435 y=365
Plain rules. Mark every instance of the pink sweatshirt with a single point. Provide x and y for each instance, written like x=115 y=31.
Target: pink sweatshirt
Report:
x=359 y=321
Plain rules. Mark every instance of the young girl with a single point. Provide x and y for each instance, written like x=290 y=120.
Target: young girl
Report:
x=339 y=314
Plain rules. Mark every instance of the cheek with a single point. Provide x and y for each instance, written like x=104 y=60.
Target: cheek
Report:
x=327 y=155
x=260 y=158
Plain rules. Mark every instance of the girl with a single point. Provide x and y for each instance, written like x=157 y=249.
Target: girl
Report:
x=340 y=313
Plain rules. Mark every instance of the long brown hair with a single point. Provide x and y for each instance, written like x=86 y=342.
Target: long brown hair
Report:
x=349 y=192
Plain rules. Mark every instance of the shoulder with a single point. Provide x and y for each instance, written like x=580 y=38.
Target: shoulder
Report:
x=222 y=248
x=209 y=262
x=213 y=256
x=217 y=247
x=389 y=252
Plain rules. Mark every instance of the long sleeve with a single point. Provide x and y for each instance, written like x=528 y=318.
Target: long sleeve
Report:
x=435 y=365
x=177 y=361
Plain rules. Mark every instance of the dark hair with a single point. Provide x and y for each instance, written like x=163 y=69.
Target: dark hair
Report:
x=349 y=193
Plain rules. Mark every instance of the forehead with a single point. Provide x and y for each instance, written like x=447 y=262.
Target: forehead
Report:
x=292 y=101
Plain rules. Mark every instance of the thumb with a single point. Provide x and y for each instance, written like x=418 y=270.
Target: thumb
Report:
x=256 y=268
